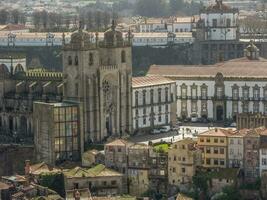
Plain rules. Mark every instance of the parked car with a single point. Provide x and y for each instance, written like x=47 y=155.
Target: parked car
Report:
x=179 y=123
x=233 y=124
x=155 y=131
x=165 y=129
x=175 y=128
x=194 y=118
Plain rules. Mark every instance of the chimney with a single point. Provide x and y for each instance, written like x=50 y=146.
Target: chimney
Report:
x=216 y=130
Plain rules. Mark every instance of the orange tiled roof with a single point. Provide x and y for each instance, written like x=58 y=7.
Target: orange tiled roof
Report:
x=240 y=67
x=117 y=142
x=216 y=132
x=149 y=81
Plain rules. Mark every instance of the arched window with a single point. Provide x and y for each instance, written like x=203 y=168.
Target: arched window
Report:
x=19 y=68
x=70 y=60
x=123 y=57
x=91 y=58
x=76 y=61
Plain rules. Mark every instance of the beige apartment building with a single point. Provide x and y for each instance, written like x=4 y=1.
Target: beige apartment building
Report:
x=183 y=159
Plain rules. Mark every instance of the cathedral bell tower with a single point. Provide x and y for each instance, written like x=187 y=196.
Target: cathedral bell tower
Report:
x=98 y=74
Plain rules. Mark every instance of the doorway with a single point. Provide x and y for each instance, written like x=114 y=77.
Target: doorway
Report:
x=219 y=113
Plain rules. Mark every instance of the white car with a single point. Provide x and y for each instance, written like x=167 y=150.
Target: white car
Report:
x=194 y=118
x=233 y=124
x=165 y=129
x=155 y=131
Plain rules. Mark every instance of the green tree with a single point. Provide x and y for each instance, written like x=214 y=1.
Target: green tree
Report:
x=54 y=181
x=200 y=182
x=150 y=8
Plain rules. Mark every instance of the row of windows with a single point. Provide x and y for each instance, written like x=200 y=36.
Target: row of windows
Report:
x=91 y=59
x=222 y=22
x=218 y=162
x=145 y=120
x=220 y=91
x=159 y=109
x=235 y=109
x=215 y=140
x=178 y=158
x=183 y=170
x=194 y=106
x=152 y=91
x=216 y=150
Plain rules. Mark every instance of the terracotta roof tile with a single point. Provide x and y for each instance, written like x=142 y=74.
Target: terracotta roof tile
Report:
x=241 y=67
x=217 y=132
x=149 y=81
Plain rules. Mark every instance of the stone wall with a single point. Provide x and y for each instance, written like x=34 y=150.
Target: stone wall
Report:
x=12 y=158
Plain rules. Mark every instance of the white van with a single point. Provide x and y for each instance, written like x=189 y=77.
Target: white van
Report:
x=165 y=129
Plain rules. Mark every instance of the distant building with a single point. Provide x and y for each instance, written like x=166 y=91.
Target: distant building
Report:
x=221 y=178
x=138 y=168
x=158 y=172
x=214 y=146
x=153 y=102
x=153 y=25
x=57 y=132
x=183 y=159
x=251 y=153
x=100 y=180
x=252 y=120
x=263 y=152
x=218 y=22
x=92 y=157
x=220 y=91
x=116 y=155
x=235 y=149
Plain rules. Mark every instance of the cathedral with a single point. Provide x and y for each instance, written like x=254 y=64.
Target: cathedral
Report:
x=93 y=99
x=98 y=75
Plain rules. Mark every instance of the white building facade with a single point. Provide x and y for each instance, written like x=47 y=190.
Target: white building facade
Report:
x=220 y=22
x=219 y=91
x=153 y=102
x=235 y=150
x=57 y=39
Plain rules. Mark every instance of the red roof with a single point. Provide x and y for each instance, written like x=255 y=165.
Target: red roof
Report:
x=240 y=67
x=13 y=27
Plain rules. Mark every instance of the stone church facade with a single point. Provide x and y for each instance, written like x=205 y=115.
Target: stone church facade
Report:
x=99 y=75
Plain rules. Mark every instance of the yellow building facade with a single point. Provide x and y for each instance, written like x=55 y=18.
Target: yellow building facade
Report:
x=214 y=146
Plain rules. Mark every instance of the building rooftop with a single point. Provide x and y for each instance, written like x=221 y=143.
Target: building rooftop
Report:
x=217 y=132
x=4 y=186
x=183 y=197
x=224 y=173
x=42 y=167
x=97 y=171
x=140 y=146
x=236 y=68
x=118 y=142
x=146 y=81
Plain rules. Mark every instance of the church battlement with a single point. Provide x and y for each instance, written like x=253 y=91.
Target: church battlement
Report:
x=108 y=67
